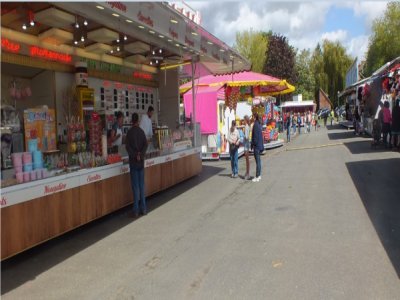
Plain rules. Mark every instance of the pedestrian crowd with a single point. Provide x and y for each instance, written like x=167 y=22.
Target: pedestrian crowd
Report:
x=294 y=122
x=252 y=140
x=386 y=127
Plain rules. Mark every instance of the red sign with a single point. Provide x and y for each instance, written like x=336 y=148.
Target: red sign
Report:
x=173 y=33
x=50 y=55
x=118 y=5
x=92 y=178
x=141 y=75
x=145 y=20
x=3 y=201
x=10 y=46
x=53 y=189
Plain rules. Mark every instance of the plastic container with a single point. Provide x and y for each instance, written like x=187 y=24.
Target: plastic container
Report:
x=45 y=173
x=39 y=174
x=27 y=178
x=20 y=177
x=27 y=158
x=33 y=175
x=17 y=159
x=18 y=169
x=37 y=156
x=32 y=145
x=28 y=167
x=38 y=165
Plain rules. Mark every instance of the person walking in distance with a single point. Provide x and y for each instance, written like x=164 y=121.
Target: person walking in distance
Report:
x=396 y=124
x=234 y=141
x=299 y=122
x=257 y=144
x=136 y=146
x=246 y=144
x=387 y=120
x=288 y=126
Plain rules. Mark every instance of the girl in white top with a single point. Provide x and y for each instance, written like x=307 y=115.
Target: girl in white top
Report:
x=234 y=141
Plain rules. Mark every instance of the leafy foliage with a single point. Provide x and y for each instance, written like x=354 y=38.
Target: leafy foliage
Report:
x=305 y=84
x=384 y=42
x=253 y=46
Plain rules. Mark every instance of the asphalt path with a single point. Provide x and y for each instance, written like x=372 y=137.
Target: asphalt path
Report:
x=323 y=223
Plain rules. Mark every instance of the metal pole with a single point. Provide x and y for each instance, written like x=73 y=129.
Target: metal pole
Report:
x=194 y=107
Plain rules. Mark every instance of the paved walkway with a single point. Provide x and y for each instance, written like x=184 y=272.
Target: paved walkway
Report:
x=324 y=223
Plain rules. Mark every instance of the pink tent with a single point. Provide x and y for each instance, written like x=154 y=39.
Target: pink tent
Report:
x=206 y=107
x=270 y=84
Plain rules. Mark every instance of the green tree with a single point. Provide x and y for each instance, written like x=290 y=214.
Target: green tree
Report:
x=305 y=84
x=317 y=68
x=252 y=45
x=384 y=43
x=281 y=58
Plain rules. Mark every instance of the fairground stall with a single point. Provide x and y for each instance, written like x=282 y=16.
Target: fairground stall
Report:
x=221 y=99
x=366 y=95
x=67 y=69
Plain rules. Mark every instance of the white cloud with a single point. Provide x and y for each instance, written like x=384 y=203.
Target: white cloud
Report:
x=301 y=22
x=335 y=36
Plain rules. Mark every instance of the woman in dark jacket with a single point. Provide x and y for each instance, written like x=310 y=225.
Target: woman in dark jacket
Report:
x=396 y=124
x=257 y=144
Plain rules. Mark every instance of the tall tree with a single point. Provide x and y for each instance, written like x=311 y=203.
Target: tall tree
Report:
x=281 y=58
x=317 y=68
x=305 y=84
x=252 y=45
x=384 y=43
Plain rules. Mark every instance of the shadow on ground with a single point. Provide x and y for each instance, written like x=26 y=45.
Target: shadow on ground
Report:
x=363 y=147
x=377 y=182
x=28 y=265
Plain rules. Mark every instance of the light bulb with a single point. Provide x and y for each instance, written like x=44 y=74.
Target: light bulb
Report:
x=32 y=23
x=156 y=61
x=125 y=38
x=85 y=23
x=112 y=51
x=117 y=48
x=76 y=42
x=76 y=25
x=160 y=51
x=151 y=63
x=117 y=40
x=82 y=38
x=153 y=52
x=24 y=26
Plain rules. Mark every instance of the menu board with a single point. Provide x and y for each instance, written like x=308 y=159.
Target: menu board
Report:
x=40 y=123
x=112 y=97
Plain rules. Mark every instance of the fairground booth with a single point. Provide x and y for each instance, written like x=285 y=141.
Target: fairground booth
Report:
x=221 y=99
x=366 y=95
x=67 y=69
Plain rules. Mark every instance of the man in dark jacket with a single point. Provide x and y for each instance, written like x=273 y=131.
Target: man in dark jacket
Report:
x=257 y=144
x=136 y=145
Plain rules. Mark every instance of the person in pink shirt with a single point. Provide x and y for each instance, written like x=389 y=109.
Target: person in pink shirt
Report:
x=386 y=124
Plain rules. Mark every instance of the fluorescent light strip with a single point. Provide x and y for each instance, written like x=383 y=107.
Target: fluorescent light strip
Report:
x=141 y=27
x=194 y=33
x=151 y=31
x=115 y=15
x=161 y=36
x=100 y=7
x=129 y=21
x=210 y=43
x=174 y=21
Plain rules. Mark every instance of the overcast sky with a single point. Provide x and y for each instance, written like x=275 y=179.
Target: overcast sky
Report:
x=304 y=23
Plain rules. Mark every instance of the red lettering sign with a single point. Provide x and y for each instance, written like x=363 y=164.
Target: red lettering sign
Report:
x=92 y=178
x=50 y=55
x=10 y=46
x=3 y=201
x=173 y=33
x=118 y=5
x=124 y=170
x=149 y=163
x=141 y=75
x=145 y=20
x=189 y=42
x=53 y=189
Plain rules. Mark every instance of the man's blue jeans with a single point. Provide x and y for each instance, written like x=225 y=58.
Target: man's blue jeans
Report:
x=258 y=162
x=137 y=181
x=234 y=161
x=288 y=134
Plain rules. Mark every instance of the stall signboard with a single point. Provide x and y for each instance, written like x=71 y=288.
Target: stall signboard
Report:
x=40 y=123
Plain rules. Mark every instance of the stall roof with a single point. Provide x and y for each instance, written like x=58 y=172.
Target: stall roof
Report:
x=159 y=25
x=278 y=86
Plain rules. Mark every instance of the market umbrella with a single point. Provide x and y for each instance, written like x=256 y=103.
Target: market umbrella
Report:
x=271 y=85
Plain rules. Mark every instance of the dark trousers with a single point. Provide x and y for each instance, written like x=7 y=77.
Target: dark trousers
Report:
x=137 y=182
x=258 y=162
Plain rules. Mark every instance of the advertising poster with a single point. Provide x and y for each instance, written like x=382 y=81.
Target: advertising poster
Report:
x=40 y=124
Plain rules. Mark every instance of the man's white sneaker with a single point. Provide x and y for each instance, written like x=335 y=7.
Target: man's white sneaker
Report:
x=255 y=179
